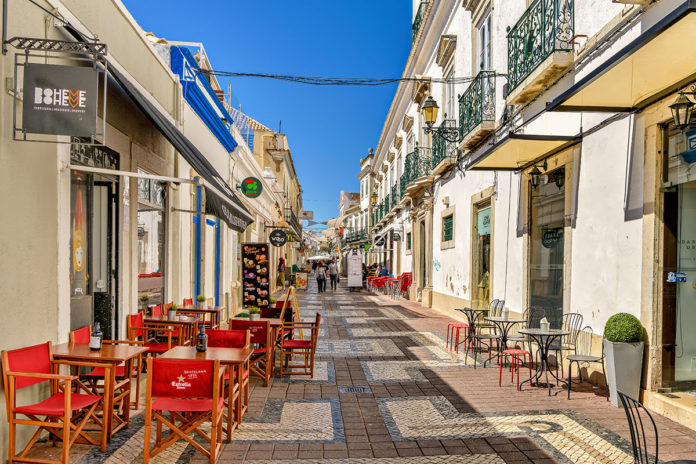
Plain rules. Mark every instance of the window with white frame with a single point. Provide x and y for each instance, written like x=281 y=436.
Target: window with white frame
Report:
x=483 y=43
x=449 y=97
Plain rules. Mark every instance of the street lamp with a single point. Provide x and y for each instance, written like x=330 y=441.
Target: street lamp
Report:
x=535 y=175
x=681 y=110
x=374 y=198
x=429 y=109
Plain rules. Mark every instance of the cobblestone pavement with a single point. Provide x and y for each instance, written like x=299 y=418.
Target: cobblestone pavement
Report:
x=387 y=390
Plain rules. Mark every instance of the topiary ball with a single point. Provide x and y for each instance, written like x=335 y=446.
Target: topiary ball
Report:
x=623 y=328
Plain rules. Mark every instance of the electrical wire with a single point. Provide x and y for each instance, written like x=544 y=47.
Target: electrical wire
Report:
x=350 y=81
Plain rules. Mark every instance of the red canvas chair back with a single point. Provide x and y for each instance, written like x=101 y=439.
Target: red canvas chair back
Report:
x=270 y=313
x=135 y=320
x=81 y=335
x=188 y=301
x=32 y=359
x=167 y=307
x=227 y=338
x=258 y=330
x=157 y=311
x=182 y=378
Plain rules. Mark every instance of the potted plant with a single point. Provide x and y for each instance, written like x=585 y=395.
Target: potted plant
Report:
x=172 y=311
x=201 y=301
x=242 y=314
x=273 y=300
x=623 y=348
x=143 y=302
x=254 y=313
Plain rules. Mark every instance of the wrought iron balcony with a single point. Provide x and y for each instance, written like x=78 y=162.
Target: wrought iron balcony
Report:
x=477 y=109
x=418 y=20
x=402 y=185
x=417 y=165
x=291 y=218
x=442 y=149
x=394 y=196
x=546 y=27
x=357 y=236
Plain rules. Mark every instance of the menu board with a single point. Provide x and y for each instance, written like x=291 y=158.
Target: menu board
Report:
x=255 y=267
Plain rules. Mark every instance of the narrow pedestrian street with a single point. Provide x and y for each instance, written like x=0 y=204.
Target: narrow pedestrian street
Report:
x=387 y=390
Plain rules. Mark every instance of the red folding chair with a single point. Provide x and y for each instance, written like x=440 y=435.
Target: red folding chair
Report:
x=188 y=301
x=237 y=393
x=191 y=392
x=261 y=361
x=65 y=413
x=157 y=311
x=93 y=377
x=304 y=348
x=406 y=283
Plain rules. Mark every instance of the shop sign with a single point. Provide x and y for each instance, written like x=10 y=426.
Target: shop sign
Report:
x=690 y=154
x=367 y=247
x=306 y=215
x=484 y=221
x=676 y=277
x=278 y=237
x=60 y=100
x=379 y=241
x=550 y=237
x=251 y=187
x=255 y=275
x=290 y=237
x=396 y=236
x=92 y=155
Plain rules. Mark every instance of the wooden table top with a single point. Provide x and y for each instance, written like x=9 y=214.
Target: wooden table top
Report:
x=164 y=319
x=224 y=355
x=199 y=310
x=275 y=321
x=109 y=353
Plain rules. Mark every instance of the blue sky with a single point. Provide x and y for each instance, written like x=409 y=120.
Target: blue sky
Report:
x=329 y=128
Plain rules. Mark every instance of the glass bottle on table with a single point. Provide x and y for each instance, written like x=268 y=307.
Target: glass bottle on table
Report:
x=96 y=338
x=201 y=339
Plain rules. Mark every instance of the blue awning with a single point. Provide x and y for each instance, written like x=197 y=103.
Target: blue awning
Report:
x=200 y=95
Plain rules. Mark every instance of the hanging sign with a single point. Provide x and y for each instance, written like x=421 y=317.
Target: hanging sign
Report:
x=251 y=187
x=396 y=236
x=60 y=100
x=278 y=237
x=367 y=247
x=379 y=241
x=306 y=215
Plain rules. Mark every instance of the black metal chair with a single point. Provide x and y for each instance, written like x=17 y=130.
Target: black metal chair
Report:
x=583 y=354
x=571 y=322
x=638 y=416
x=489 y=336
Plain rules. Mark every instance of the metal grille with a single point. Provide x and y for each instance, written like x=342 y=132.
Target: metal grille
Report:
x=447 y=228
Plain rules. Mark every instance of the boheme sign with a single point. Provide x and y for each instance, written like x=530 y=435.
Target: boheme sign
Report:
x=60 y=100
x=278 y=237
x=251 y=187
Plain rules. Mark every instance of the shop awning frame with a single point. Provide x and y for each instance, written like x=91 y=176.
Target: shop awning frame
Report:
x=137 y=175
x=553 y=144
x=604 y=71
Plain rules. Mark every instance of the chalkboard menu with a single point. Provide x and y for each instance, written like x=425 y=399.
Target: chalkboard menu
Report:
x=255 y=274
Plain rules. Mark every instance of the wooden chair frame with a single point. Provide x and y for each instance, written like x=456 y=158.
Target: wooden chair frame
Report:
x=66 y=428
x=261 y=366
x=307 y=352
x=189 y=422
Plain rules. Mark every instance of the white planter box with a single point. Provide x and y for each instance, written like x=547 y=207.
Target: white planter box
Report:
x=624 y=367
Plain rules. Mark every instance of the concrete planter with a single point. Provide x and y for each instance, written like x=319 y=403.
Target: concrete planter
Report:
x=254 y=316
x=201 y=305
x=624 y=367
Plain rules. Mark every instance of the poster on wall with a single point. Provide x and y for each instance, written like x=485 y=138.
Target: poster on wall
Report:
x=255 y=278
x=301 y=281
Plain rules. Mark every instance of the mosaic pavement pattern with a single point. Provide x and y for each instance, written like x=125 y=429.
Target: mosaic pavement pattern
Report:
x=567 y=438
x=365 y=391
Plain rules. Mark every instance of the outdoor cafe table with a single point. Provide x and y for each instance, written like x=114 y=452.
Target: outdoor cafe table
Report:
x=233 y=357
x=544 y=339
x=214 y=313
x=109 y=354
x=187 y=324
x=472 y=315
x=503 y=325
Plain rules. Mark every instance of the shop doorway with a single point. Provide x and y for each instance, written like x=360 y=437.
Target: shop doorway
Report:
x=546 y=247
x=94 y=252
x=482 y=253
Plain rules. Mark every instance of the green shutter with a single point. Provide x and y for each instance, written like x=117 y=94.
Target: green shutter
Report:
x=447 y=228
x=408 y=241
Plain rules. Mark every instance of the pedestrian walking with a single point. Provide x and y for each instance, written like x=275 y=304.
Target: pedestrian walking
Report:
x=333 y=274
x=320 y=275
x=280 y=281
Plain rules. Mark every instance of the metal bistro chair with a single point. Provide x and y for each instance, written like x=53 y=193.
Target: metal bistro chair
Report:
x=572 y=322
x=637 y=417
x=583 y=354
x=490 y=335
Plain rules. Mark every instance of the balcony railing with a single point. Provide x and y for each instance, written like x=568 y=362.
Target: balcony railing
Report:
x=394 y=196
x=441 y=147
x=417 y=165
x=418 y=20
x=545 y=27
x=291 y=218
x=357 y=236
x=477 y=103
x=402 y=185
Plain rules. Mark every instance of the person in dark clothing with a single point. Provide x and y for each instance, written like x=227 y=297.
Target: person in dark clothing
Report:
x=320 y=275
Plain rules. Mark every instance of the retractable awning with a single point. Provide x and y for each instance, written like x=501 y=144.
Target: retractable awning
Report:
x=221 y=201
x=655 y=64
x=519 y=151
